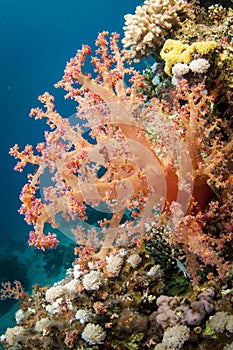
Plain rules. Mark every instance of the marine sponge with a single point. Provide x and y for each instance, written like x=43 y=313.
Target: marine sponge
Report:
x=148 y=28
x=174 y=51
x=171 y=311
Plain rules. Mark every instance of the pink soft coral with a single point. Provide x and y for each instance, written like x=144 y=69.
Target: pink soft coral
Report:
x=134 y=176
x=170 y=174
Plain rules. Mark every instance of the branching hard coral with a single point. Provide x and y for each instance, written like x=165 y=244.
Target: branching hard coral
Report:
x=152 y=22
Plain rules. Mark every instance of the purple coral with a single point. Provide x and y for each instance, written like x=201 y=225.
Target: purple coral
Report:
x=171 y=312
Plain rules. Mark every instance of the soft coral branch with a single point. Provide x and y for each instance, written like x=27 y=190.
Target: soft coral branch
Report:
x=107 y=106
x=139 y=172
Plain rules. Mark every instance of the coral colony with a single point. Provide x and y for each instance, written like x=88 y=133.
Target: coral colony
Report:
x=149 y=156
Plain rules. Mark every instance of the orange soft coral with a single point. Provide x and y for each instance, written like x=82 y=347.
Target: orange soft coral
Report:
x=102 y=158
x=134 y=176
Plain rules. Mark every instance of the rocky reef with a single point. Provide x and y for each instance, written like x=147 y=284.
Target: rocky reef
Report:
x=156 y=273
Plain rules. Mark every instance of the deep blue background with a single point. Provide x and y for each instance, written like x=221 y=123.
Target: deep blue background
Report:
x=37 y=39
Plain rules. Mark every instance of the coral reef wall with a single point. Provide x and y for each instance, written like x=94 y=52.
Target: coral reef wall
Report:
x=142 y=178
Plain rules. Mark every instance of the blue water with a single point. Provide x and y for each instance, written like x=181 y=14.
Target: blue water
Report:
x=37 y=39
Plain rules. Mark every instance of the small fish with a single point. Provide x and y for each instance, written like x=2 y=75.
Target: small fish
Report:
x=182 y=268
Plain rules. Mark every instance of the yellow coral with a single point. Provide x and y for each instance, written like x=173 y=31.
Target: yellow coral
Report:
x=174 y=51
x=203 y=47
